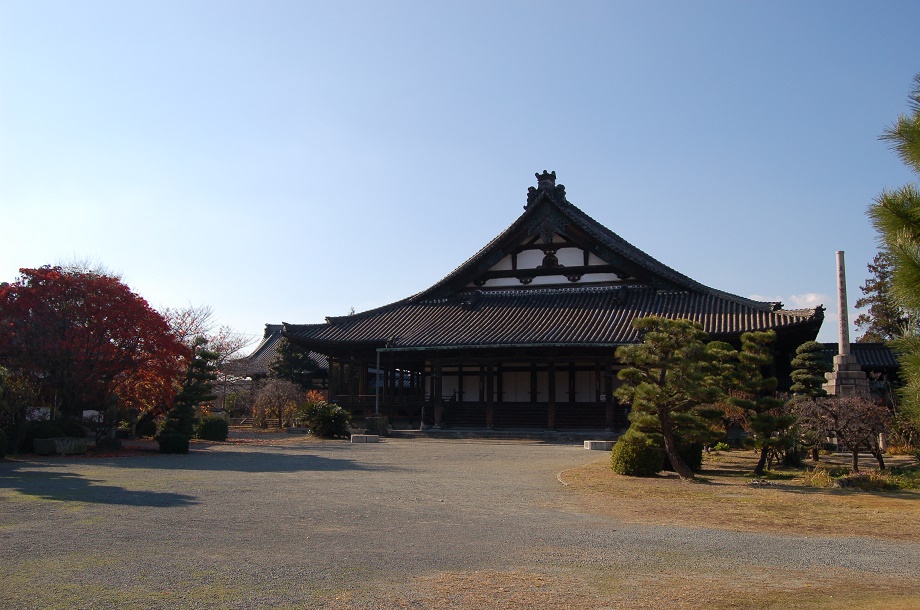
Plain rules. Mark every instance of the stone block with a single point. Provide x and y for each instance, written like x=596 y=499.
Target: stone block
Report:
x=599 y=445
x=60 y=446
x=365 y=438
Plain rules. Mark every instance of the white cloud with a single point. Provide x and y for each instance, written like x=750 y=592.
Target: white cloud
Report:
x=809 y=299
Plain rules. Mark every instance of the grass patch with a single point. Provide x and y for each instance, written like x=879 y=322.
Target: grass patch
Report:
x=795 y=501
x=901 y=478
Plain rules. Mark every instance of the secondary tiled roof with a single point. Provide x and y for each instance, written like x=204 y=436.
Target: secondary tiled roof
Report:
x=870 y=356
x=573 y=316
x=256 y=364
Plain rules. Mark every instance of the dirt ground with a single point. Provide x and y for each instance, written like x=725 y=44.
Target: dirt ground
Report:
x=284 y=521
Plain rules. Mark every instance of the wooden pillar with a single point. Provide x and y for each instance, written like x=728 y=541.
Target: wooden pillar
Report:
x=597 y=382
x=499 y=384
x=482 y=384
x=533 y=383
x=551 y=399
x=362 y=379
x=352 y=386
x=381 y=379
x=490 y=396
x=459 y=383
x=340 y=378
x=608 y=390
x=436 y=378
x=571 y=382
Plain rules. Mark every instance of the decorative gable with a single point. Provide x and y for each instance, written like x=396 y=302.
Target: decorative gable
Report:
x=551 y=258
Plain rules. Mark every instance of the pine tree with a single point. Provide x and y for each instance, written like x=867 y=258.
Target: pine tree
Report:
x=808 y=369
x=808 y=374
x=766 y=419
x=896 y=217
x=179 y=425
x=885 y=320
x=293 y=363
x=672 y=379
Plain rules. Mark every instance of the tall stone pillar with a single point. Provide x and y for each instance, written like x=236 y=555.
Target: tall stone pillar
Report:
x=847 y=378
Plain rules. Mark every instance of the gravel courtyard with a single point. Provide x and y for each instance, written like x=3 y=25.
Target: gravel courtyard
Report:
x=400 y=524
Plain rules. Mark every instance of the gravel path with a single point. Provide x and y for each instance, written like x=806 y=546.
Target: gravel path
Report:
x=304 y=524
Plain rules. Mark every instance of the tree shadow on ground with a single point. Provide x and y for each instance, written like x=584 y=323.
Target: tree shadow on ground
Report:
x=71 y=487
x=228 y=461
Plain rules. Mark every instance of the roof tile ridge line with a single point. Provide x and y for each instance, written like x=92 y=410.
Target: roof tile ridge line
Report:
x=560 y=290
x=261 y=347
x=802 y=311
x=592 y=225
x=360 y=315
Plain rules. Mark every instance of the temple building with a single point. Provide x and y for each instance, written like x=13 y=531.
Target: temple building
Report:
x=523 y=334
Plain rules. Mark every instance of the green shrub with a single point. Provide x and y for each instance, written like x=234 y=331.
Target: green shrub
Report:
x=635 y=455
x=326 y=420
x=173 y=442
x=721 y=447
x=213 y=428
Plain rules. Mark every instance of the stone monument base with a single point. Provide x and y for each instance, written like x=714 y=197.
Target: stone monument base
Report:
x=847 y=379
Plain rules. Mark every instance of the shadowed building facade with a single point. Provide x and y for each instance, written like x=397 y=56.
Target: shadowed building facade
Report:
x=523 y=334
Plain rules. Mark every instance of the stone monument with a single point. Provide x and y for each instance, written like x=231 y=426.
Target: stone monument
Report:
x=847 y=378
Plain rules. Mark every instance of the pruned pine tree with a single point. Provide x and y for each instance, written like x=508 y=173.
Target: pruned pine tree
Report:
x=292 y=363
x=672 y=377
x=767 y=420
x=808 y=370
x=196 y=389
x=808 y=376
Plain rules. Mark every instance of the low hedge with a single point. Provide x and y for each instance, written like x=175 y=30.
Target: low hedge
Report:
x=212 y=428
x=636 y=455
x=172 y=442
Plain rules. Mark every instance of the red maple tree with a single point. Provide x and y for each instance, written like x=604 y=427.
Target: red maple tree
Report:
x=84 y=336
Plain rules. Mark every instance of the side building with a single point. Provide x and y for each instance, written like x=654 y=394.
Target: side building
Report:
x=523 y=334
x=256 y=366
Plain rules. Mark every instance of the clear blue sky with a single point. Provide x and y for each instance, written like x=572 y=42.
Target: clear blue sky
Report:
x=285 y=161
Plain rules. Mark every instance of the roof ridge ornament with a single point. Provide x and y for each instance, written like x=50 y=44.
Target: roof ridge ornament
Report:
x=546 y=180
x=546 y=183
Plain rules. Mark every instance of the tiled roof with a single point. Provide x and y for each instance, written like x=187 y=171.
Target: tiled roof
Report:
x=874 y=356
x=563 y=316
x=257 y=362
